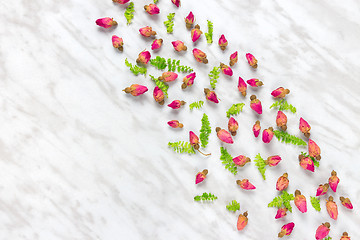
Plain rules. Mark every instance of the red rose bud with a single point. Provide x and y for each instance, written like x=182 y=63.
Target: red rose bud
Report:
x=251 y=60
x=200 y=56
x=314 y=150
x=345 y=236
x=255 y=104
x=267 y=135
x=322 y=231
x=281 y=120
x=188 y=80
x=226 y=69
x=152 y=9
x=304 y=127
x=280 y=92
x=346 y=202
x=200 y=176
x=286 y=230
x=136 y=89
x=147 y=31
x=322 y=189
x=282 y=183
x=179 y=46
x=156 y=44
x=176 y=104
x=281 y=212
x=273 y=160
x=144 y=57
x=331 y=208
x=223 y=42
x=176 y=2
x=254 y=82
x=195 y=33
x=300 y=201
x=233 y=58
x=117 y=42
x=175 y=124
x=106 y=22
x=159 y=95
x=245 y=184
x=233 y=126
x=242 y=221
x=241 y=160
x=211 y=95
x=333 y=181
x=189 y=20
x=242 y=86
x=121 y=1
x=256 y=128
x=168 y=76
x=194 y=142
x=306 y=163
x=224 y=135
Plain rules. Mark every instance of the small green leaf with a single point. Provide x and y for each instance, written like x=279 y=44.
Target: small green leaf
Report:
x=214 y=76
x=136 y=70
x=205 y=131
x=226 y=159
x=182 y=147
x=209 y=34
x=170 y=23
x=287 y=138
x=205 y=197
x=235 y=109
x=261 y=164
x=283 y=200
x=129 y=13
x=283 y=105
x=197 y=105
x=233 y=206
x=315 y=202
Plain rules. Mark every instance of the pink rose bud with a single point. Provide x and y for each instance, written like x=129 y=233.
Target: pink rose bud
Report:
x=188 y=80
x=106 y=22
x=152 y=9
x=144 y=57
x=306 y=163
x=200 y=56
x=200 y=176
x=255 y=104
x=331 y=208
x=282 y=182
x=281 y=212
x=156 y=44
x=136 y=89
x=333 y=181
x=300 y=201
x=314 y=150
x=322 y=189
x=233 y=126
x=176 y=104
x=121 y=1
x=194 y=142
x=224 y=135
x=223 y=42
x=176 y=2
x=280 y=92
x=286 y=230
x=281 y=120
x=159 y=95
x=345 y=236
x=175 y=124
x=226 y=69
x=322 y=231
x=256 y=128
x=242 y=86
x=117 y=42
x=189 y=20
x=147 y=31
x=272 y=161
x=168 y=76
x=233 y=58
x=245 y=184
x=195 y=33
x=211 y=95
x=179 y=46
x=251 y=60
x=241 y=160
x=254 y=82
x=267 y=135
x=242 y=221
x=346 y=202
x=304 y=127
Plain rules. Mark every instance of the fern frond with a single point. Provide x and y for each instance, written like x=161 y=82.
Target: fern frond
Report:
x=182 y=147
x=170 y=23
x=283 y=200
x=260 y=163
x=136 y=70
x=235 y=109
x=205 y=197
x=129 y=13
x=163 y=86
x=276 y=202
x=315 y=202
x=205 y=131
x=316 y=162
x=283 y=105
x=233 y=206
x=172 y=64
x=328 y=238
x=159 y=63
x=214 y=76
x=226 y=159
x=197 y=105
x=209 y=34
x=287 y=138
x=155 y=1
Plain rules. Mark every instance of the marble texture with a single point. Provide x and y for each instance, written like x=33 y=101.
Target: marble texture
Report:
x=80 y=159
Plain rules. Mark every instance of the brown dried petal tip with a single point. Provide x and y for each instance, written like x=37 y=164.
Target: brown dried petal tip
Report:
x=297 y=192
x=205 y=171
x=245 y=214
x=252 y=97
x=327 y=225
x=217 y=129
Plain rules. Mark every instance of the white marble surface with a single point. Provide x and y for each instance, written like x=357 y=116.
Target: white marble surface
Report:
x=80 y=159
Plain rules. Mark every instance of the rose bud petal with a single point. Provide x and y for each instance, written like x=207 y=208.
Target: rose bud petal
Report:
x=300 y=201
x=179 y=46
x=254 y=82
x=304 y=127
x=242 y=86
x=280 y=92
x=189 y=20
x=121 y=1
x=251 y=60
x=233 y=126
x=345 y=236
x=223 y=42
x=168 y=76
x=281 y=120
x=156 y=44
x=188 y=80
x=106 y=22
x=175 y=124
x=144 y=57
x=176 y=104
x=196 y=33
x=117 y=42
x=159 y=95
x=267 y=135
x=333 y=181
x=152 y=9
x=242 y=221
x=211 y=95
x=331 y=208
x=200 y=176
x=200 y=56
x=255 y=104
x=286 y=229
x=314 y=150
x=226 y=69
x=176 y=2
x=224 y=135
x=194 y=142
x=241 y=160
x=233 y=58
x=281 y=212
x=346 y=203
x=272 y=161
x=136 y=89
x=322 y=231
x=322 y=189
x=256 y=128
x=245 y=184
x=147 y=31
x=306 y=163
x=282 y=182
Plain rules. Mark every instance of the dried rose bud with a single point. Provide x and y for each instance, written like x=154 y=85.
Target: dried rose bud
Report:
x=300 y=201
x=281 y=120
x=256 y=128
x=304 y=127
x=280 y=92
x=267 y=135
x=272 y=161
x=345 y=236
x=251 y=60
x=136 y=89
x=144 y=57
x=196 y=33
x=281 y=212
x=194 y=142
x=147 y=31
x=242 y=86
x=211 y=95
x=346 y=202
x=200 y=176
x=226 y=69
x=121 y=1
x=117 y=42
x=255 y=104
x=322 y=189
x=157 y=43
x=189 y=20
x=159 y=95
x=200 y=56
x=176 y=104
x=314 y=150
x=233 y=58
x=233 y=126
x=223 y=42
x=245 y=184
x=254 y=82
x=322 y=231
x=106 y=22
x=224 y=135
x=242 y=221
x=282 y=182
x=188 y=80
x=333 y=181
x=241 y=160
x=306 y=163
x=168 y=76
x=175 y=124
x=331 y=208
x=179 y=46
x=152 y=9
x=286 y=230
x=176 y=2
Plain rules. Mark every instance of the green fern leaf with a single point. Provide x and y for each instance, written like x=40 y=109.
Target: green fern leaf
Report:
x=159 y=63
x=283 y=105
x=170 y=23
x=155 y=1
x=260 y=163
x=205 y=197
x=276 y=202
x=235 y=109
x=182 y=147
x=136 y=70
x=197 y=105
x=163 y=86
x=209 y=34
x=233 y=206
x=226 y=159
x=205 y=131
x=315 y=202
x=214 y=76
x=282 y=200
x=328 y=238
x=287 y=138
x=172 y=64
x=129 y=13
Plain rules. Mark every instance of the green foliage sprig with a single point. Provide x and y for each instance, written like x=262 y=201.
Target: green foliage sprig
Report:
x=163 y=86
x=315 y=202
x=155 y=1
x=235 y=109
x=226 y=159
x=182 y=147
x=283 y=105
x=214 y=76
x=135 y=69
x=316 y=162
x=159 y=63
x=287 y=138
x=260 y=163
x=172 y=64
x=205 y=197
x=205 y=131
x=328 y=238
x=129 y=13
x=233 y=206
x=282 y=200
x=209 y=34
x=170 y=23
x=197 y=105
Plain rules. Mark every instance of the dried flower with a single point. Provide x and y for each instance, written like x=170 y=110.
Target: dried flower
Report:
x=156 y=44
x=200 y=56
x=223 y=42
x=176 y=104
x=331 y=208
x=194 y=142
x=188 y=80
x=152 y=9
x=233 y=126
x=272 y=161
x=241 y=160
x=306 y=163
x=245 y=184
x=282 y=182
x=304 y=127
x=300 y=201
x=251 y=60
x=242 y=86
x=333 y=181
x=256 y=128
x=117 y=42
x=200 y=176
x=345 y=236
x=233 y=58
x=322 y=189
x=254 y=82
x=242 y=221
x=176 y=2
x=281 y=212
x=322 y=231
x=255 y=104
x=136 y=89
x=121 y=1
x=226 y=69
x=211 y=95
x=144 y=57
x=159 y=95
x=168 y=76
x=314 y=150
x=179 y=46
x=175 y=124
x=281 y=120
x=147 y=31
x=196 y=33
x=106 y=22
x=286 y=229
x=189 y=20
x=346 y=202
x=267 y=135
x=280 y=92
x=224 y=135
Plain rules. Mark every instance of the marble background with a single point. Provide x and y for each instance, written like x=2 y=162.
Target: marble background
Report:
x=80 y=159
